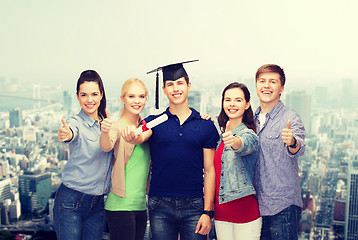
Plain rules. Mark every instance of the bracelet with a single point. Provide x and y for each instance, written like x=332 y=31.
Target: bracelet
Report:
x=210 y=213
x=294 y=145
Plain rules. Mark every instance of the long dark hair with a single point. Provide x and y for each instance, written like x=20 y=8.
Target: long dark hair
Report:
x=247 y=119
x=93 y=76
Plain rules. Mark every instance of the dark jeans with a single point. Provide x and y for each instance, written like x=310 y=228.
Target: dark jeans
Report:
x=126 y=225
x=78 y=216
x=283 y=225
x=172 y=216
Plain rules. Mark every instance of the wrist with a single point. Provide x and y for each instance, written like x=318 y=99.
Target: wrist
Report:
x=210 y=213
x=294 y=145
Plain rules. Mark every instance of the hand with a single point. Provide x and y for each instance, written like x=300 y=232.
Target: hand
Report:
x=287 y=134
x=206 y=116
x=228 y=138
x=106 y=124
x=204 y=225
x=64 y=133
x=128 y=134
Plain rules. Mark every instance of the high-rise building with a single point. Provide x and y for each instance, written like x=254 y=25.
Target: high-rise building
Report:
x=5 y=200
x=35 y=191
x=194 y=100
x=14 y=210
x=29 y=134
x=15 y=117
x=67 y=101
x=4 y=168
x=51 y=203
x=321 y=96
x=5 y=189
x=300 y=101
x=5 y=209
x=351 y=227
x=347 y=99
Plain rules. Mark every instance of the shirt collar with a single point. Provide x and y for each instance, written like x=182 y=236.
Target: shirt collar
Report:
x=274 y=111
x=87 y=118
x=194 y=114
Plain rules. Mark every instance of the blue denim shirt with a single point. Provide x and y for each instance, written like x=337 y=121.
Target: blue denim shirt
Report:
x=276 y=176
x=88 y=169
x=238 y=166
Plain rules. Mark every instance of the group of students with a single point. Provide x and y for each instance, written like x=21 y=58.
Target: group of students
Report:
x=246 y=178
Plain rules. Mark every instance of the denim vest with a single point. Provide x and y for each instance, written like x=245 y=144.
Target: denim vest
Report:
x=238 y=166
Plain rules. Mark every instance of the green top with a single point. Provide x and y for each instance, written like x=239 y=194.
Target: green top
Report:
x=136 y=175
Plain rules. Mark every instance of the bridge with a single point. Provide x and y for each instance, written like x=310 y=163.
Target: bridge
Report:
x=27 y=98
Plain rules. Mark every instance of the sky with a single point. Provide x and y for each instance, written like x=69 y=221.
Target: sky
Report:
x=52 y=42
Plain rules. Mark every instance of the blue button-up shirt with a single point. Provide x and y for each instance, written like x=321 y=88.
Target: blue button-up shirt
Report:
x=177 y=155
x=276 y=176
x=88 y=169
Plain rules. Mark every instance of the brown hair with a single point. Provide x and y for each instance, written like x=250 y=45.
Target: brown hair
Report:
x=93 y=76
x=247 y=119
x=272 y=68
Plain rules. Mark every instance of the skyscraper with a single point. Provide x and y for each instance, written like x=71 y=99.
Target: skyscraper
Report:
x=300 y=101
x=35 y=191
x=67 y=101
x=351 y=228
x=321 y=96
x=194 y=100
x=15 y=117
x=348 y=102
x=5 y=189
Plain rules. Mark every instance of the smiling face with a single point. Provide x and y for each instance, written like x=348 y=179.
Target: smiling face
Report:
x=89 y=97
x=269 y=89
x=234 y=104
x=134 y=99
x=177 y=91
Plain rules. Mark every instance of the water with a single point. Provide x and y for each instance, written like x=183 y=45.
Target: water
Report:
x=7 y=103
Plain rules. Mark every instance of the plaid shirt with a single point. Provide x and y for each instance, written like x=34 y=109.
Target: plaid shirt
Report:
x=276 y=175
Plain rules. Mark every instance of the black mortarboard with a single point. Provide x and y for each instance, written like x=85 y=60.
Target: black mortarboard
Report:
x=171 y=72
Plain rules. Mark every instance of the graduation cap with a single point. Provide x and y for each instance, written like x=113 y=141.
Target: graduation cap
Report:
x=171 y=72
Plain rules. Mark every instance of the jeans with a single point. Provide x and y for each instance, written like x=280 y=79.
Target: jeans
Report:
x=78 y=216
x=283 y=225
x=126 y=225
x=172 y=216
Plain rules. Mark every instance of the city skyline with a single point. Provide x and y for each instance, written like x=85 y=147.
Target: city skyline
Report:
x=52 y=42
x=45 y=45
x=332 y=145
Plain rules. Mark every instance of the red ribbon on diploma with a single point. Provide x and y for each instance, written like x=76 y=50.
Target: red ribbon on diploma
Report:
x=144 y=127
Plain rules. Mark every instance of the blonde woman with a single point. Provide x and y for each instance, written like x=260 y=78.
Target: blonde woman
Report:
x=126 y=203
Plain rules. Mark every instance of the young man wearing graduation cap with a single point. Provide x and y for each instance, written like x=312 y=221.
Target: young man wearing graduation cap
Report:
x=182 y=152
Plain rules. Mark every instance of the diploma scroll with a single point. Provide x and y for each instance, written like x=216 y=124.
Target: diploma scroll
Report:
x=151 y=124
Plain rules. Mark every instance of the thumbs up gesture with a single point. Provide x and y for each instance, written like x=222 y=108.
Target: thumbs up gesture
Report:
x=287 y=134
x=228 y=138
x=64 y=133
x=106 y=124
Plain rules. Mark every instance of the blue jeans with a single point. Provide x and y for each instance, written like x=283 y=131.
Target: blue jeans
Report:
x=172 y=216
x=282 y=226
x=77 y=215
